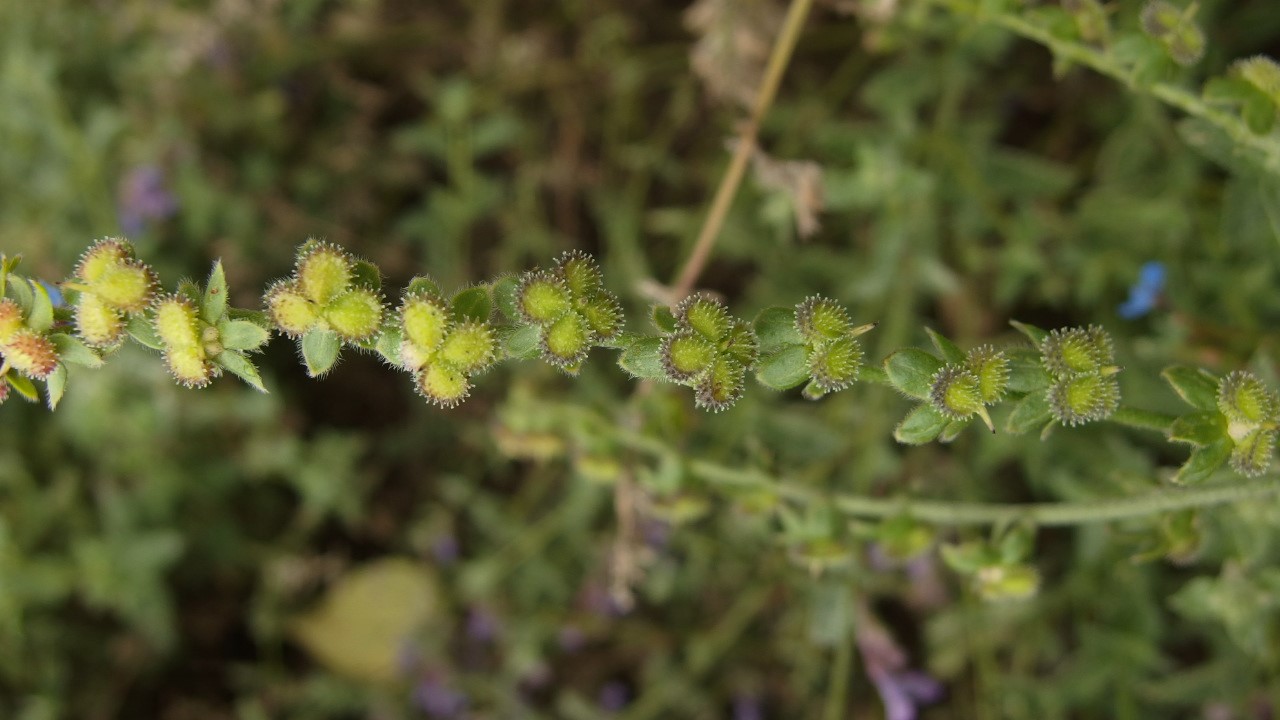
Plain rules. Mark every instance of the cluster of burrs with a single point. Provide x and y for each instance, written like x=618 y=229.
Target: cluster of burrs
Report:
x=442 y=345
x=570 y=309
x=964 y=389
x=329 y=291
x=1251 y=410
x=112 y=285
x=1080 y=363
x=710 y=351
x=833 y=353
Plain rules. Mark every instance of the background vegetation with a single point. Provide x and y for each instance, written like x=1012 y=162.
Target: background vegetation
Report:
x=183 y=555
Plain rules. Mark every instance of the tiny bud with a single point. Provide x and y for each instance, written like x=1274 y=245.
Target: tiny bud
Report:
x=31 y=354
x=290 y=309
x=686 y=356
x=425 y=321
x=324 y=271
x=10 y=319
x=566 y=341
x=1252 y=455
x=355 y=314
x=1076 y=350
x=834 y=365
x=991 y=368
x=443 y=384
x=1084 y=398
x=128 y=285
x=98 y=324
x=704 y=315
x=1243 y=398
x=177 y=323
x=469 y=347
x=580 y=273
x=819 y=318
x=542 y=297
x=102 y=255
x=721 y=387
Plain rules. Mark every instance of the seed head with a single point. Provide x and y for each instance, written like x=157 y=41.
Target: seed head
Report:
x=98 y=324
x=31 y=354
x=1084 y=398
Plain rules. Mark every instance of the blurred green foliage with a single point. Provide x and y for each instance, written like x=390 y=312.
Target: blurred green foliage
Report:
x=159 y=546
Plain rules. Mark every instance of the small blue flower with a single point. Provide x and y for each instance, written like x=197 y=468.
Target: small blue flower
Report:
x=1145 y=294
x=55 y=294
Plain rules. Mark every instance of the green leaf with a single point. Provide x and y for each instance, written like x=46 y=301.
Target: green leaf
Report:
x=20 y=291
x=1204 y=461
x=523 y=342
x=784 y=369
x=72 y=350
x=473 y=304
x=40 y=318
x=1195 y=386
x=644 y=359
x=1030 y=413
x=953 y=430
x=663 y=318
x=141 y=329
x=949 y=350
x=776 y=329
x=911 y=371
x=504 y=296
x=237 y=364
x=1259 y=113
x=1199 y=428
x=242 y=335
x=213 y=304
x=921 y=425
x=56 y=385
x=388 y=346
x=23 y=386
x=320 y=351
x=1026 y=372
x=422 y=284
x=1035 y=334
x=367 y=274
x=966 y=559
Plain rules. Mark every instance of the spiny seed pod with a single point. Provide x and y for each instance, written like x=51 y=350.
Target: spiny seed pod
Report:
x=126 y=285
x=101 y=256
x=955 y=394
x=580 y=273
x=1174 y=28
x=686 y=356
x=470 y=347
x=1076 y=350
x=834 y=365
x=98 y=324
x=603 y=315
x=819 y=319
x=1252 y=454
x=324 y=271
x=991 y=368
x=177 y=323
x=741 y=344
x=443 y=384
x=424 y=320
x=704 y=315
x=721 y=386
x=1243 y=398
x=355 y=314
x=189 y=366
x=542 y=297
x=10 y=319
x=31 y=354
x=566 y=341
x=291 y=312
x=1084 y=398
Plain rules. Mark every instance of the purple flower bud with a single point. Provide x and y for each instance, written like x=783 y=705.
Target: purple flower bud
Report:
x=747 y=707
x=437 y=699
x=571 y=638
x=614 y=696
x=445 y=549
x=482 y=625
x=144 y=198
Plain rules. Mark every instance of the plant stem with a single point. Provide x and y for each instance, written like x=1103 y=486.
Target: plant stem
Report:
x=1142 y=419
x=743 y=151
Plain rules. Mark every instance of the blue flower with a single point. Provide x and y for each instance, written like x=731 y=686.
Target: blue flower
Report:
x=1145 y=294
x=55 y=294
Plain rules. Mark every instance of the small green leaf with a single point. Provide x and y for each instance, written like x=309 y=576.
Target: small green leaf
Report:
x=1204 y=461
x=420 y=284
x=644 y=359
x=966 y=559
x=953 y=430
x=20 y=291
x=1016 y=545
x=473 y=304
x=784 y=369
x=213 y=305
x=73 y=350
x=40 y=318
x=23 y=386
x=141 y=329
x=1199 y=428
x=1259 y=114
x=949 y=350
x=56 y=385
x=663 y=318
x=320 y=351
x=1030 y=413
x=1197 y=387
x=1026 y=372
x=242 y=335
x=367 y=274
x=921 y=425
x=237 y=364
x=911 y=371
x=505 y=291
x=388 y=346
x=524 y=342
x=776 y=329
x=1033 y=333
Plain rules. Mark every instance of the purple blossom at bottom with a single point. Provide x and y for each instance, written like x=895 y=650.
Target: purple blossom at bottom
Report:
x=437 y=699
x=445 y=549
x=144 y=198
x=482 y=625
x=614 y=696
x=571 y=638
x=904 y=692
x=747 y=707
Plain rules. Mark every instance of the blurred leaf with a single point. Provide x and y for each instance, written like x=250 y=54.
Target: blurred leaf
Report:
x=320 y=351
x=1197 y=387
x=911 y=371
x=213 y=305
x=1199 y=428
x=242 y=335
x=1204 y=461
x=473 y=304
x=922 y=425
x=237 y=364
x=643 y=360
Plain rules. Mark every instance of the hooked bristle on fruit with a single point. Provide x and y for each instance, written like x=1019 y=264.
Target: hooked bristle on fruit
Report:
x=103 y=254
x=355 y=314
x=98 y=324
x=704 y=315
x=290 y=310
x=1072 y=351
x=819 y=319
x=1084 y=398
x=324 y=271
x=991 y=368
x=1243 y=398
x=31 y=353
